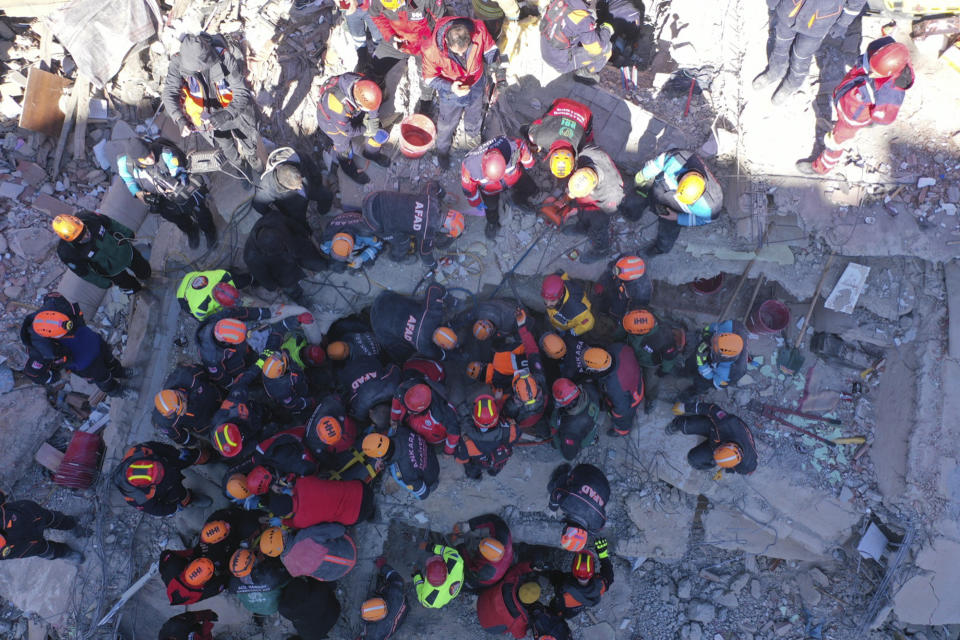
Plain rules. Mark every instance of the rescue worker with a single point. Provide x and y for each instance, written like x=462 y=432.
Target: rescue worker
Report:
x=226 y=530
x=277 y=251
x=150 y=477
x=492 y=323
x=386 y=608
x=357 y=19
x=314 y=500
x=528 y=402
x=492 y=554
x=155 y=173
x=405 y=326
x=455 y=62
x=257 y=581
x=721 y=356
x=204 y=90
x=441 y=579
x=494 y=167
x=348 y=242
x=486 y=439
x=238 y=424
x=222 y=342
x=203 y=293
x=363 y=379
x=190 y=576
x=411 y=462
x=623 y=286
x=560 y=133
x=682 y=191
x=287 y=385
x=183 y=409
x=597 y=189
x=618 y=377
x=192 y=625
x=577 y=416
x=503 y=607
x=421 y=406
x=57 y=338
x=658 y=346
x=499 y=374
x=289 y=184
x=324 y=552
x=330 y=432
x=411 y=221
x=581 y=494
x=584 y=585
x=568 y=305
x=286 y=453
x=100 y=250
x=23 y=526
x=729 y=442
x=571 y=39
x=311 y=606
x=869 y=94
x=799 y=29
x=347 y=103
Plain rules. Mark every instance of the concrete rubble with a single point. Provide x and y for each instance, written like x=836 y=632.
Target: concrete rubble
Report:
x=770 y=555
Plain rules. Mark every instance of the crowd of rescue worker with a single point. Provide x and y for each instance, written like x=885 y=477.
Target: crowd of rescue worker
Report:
x=303 y=434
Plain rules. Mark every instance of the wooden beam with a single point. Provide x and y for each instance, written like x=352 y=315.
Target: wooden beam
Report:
x=82 y=90
x=64 y=134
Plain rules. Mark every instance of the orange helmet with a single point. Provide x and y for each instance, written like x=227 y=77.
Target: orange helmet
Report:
x=445 y=338
x=728 y=455
x=597 y=359
x=198 y=572
x=241 y=562
x=583 y=566
x=51 y=324
x=373 y=610
x=170 y=402
x=275 y=365
x=475 y=369
x=376 y=445
x=338 y=350
x=230 y=331
x=630 y=268
x=258 y=480
x=493 y=165
x=492 y=549
x=453 y=223
x=228 y=440
x=436 y=571
x=565 y=391
x=215 y=531
x=525 y=388
x=573 y=538
x=271 y=542
x=368 y=95
x=727 y=345
x=418 y=398
x=553 y=346
x=483 y=329
x=329 y=430
x=237 y=487
x=342 y=246
x=485 y=412
x=639 y=322
x=68 y=227
x=561 y=161
x=144 y=473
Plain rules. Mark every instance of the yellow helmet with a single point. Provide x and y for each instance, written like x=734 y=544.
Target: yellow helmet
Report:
x=691 y=187
x=392 y=5
x=561 y=161
x=68 y=227
x=582 y=183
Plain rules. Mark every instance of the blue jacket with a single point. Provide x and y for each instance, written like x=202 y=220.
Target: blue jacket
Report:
x=666 y=170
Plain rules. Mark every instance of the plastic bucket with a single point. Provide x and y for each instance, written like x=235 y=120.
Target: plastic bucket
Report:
x=771 y=316
x=417 y=135
x=707 y=286
x=78 y=469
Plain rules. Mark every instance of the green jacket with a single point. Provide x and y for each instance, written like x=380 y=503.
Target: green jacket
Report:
x=200 y=303
x=106 y=253
x=656 y=349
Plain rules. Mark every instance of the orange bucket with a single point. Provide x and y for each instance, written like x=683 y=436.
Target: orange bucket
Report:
x=417 y=135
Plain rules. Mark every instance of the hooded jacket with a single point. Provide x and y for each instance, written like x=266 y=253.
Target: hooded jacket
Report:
x=581 y=494
x=442 y=67
x=104 y=255
x=203 y=398
x=404 y=326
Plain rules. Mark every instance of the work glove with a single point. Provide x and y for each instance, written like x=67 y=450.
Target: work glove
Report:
x=521 y=316
x=371 y=126
x=607 y=26
x=305 y=318
x=679 y=409
x=600 y=545
x=251 y=503
x=276 y=522
x=703 y=354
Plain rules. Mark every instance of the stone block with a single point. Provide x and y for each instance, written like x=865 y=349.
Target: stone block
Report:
x=663 y=532
x=52 y=206
x=43 y=587
x=11 y=189
x=33 y=174
x=32 y=243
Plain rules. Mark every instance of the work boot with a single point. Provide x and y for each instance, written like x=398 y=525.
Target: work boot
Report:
x=491 y=230
x=199 y=500
x=425 y=108
x=377 y=157
x=589 y=78
x=790 y=85
x=193 y=237
x=443 y=159
x=674 y=426
x=771 y=75
x=593 y=255
x=350 y=169
x=613 y=433
x=805 y=167
x=74 y=556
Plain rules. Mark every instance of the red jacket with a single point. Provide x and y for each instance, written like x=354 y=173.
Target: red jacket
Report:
x=499 y=608
x=862 y=100
x=411 y=23
x=514 y=151
x=317 y=500
x=441 y=70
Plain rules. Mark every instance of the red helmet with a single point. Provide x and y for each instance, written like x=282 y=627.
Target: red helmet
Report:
x=436 y=571
x=367 y=94
x=143 y=473
x=493 y=165
x=228 y=439
x=313 y=355
x=565 y=391
x=629 y=268
x=583 y=566
x=258 y=480
x=485 y=412
x=226 y=294
x=552 y=289
x=889 y=59
x=417 y=398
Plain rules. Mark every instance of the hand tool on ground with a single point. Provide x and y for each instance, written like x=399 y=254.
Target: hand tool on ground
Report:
x=743 y=277
x=758 y=407
x=753 y=298
x=765 y=412
x=790 y=358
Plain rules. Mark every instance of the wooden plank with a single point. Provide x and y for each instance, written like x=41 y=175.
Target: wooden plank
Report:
x=31 y=8
x=82 y=90
x=64 y=134
x=49 y=457
x=41 y=102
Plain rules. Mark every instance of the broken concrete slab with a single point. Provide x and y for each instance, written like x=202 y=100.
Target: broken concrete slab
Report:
x=32 y=243
x=53 y=206
x=44 y=587
x=932 y=598
x=663 y=528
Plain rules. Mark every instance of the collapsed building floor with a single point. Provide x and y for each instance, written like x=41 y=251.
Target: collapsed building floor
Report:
x=772 y=555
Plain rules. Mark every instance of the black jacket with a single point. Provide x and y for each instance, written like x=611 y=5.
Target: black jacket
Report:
x=726 y=427
x=814 y=18
x=414 y=464
x=242 y=526
x=404 y=325
x=203 y=400
x=401 y=217
x=581 y=494
x=107 y=252
x=312 y=607
x=277 y=251
x=390 y=588
x=571 y=426
x=161 y=499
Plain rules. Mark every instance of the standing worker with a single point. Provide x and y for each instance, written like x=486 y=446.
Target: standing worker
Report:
x=721 y=357
x=870 y=93
x=681 y=191
x=441 y=578
x=583 y=586
x=491 y=169
x=22 y=528
x=623 y=286
x=486 y=439
x=277 y=252
x=203 y=293
x=729 y=442
x=657 y=345
x=560 y=134
x=597 y=188
x=493 y=554
x=571 y=39
x=100 y=250
x=618 y=376
x=183 y=409
x=577 y=416
x=412 y=462
x=568 y=304
x=347 y=103
x=800 y=26
x=386 y=608
x=150 y=477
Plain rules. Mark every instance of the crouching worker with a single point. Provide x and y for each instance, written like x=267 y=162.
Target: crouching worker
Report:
x=729 y=444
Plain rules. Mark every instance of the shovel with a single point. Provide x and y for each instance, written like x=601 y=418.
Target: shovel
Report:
x=790 y=358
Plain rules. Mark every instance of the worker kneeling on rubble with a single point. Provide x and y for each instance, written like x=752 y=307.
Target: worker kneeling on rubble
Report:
x=729 y=444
